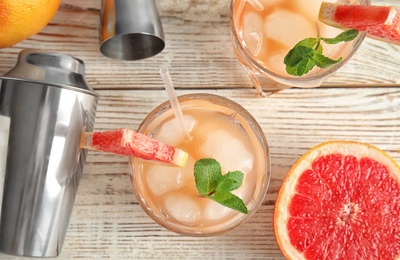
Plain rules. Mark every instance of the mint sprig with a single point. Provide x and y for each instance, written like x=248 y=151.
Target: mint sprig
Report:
x=211 y=183
x=308 y=53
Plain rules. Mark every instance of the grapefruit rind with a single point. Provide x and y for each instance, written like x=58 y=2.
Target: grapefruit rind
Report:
x=288 y=188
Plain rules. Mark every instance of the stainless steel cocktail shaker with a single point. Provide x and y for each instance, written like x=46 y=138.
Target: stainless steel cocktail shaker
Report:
x=45 y=105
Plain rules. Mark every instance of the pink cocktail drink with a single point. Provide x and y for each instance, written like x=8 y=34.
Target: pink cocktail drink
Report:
x=264 y=31
x=219 y=129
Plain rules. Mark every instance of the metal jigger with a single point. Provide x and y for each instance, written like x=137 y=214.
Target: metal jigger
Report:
x=130 y=29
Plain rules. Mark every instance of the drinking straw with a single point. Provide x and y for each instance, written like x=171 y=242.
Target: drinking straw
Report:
x=173 y=99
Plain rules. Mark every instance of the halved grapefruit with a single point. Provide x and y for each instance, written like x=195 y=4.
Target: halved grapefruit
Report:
x=381 y=22
x=340 y=200
x=130 y=143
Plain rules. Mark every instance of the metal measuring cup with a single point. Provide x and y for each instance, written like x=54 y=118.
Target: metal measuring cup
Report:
x=130 y=29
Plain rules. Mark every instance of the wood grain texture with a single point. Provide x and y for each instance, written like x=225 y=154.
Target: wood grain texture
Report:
x=198 y=50
x=107 y=222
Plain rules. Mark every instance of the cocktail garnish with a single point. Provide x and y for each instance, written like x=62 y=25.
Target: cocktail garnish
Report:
x=308 y=53
x=127 y=142
x=211 y=183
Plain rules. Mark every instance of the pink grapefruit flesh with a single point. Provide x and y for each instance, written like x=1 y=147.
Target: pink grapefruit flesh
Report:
x=340 y=204
x=127 y=142
x=381 y=22
x=341 y=200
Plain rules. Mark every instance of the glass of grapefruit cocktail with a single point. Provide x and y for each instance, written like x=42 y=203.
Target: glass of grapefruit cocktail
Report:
x=219 y=128
x=264 y=31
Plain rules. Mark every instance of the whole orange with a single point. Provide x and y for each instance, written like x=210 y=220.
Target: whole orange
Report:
x=20 y=19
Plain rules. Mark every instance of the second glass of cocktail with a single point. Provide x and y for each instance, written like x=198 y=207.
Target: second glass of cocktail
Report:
x=264 y=31
x=220 y=129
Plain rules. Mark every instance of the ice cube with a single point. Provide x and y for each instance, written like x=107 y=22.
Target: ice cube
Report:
x=252 y=32
x=172 y=133
x=334 y=51
x=246 y=190
x=182 y=208
x=328 y=31
x=215 y=211
x=288 y=28
x=228 y=150
x=308 y=8
x=162 y=179
x=275 y=62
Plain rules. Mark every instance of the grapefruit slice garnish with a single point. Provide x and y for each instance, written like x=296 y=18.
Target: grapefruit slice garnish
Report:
x=340 y=200
x=380 y=22
x=127 y=142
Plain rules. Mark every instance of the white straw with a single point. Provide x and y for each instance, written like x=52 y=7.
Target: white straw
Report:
x=169 y=87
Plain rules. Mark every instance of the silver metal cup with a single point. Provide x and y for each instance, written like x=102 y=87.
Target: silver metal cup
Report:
x=45 y=105
x=130 y=29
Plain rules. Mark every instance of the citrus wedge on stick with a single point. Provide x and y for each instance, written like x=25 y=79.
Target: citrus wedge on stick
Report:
x=340 y=200
x=127 y=142
x=380 y=22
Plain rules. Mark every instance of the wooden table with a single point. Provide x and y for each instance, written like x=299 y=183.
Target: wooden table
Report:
x=359 y=102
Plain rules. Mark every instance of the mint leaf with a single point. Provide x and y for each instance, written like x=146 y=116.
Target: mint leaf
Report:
x=345 y=36
x=211 y=183
x=298 y=55
x=309 y=42
x=303 y=67
x=308 y=53
x=231 y=181
x=229 y=200
x=319 y=49
x=207 y=174
x=324 y=62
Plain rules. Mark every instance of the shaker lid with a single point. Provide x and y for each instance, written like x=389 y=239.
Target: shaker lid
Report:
x=50 y=68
